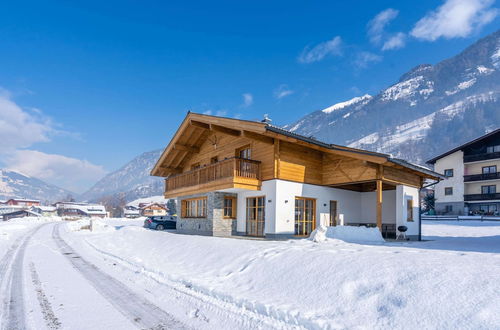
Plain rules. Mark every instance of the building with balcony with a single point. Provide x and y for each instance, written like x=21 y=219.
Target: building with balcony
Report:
x=239 y=177
x=472 y=171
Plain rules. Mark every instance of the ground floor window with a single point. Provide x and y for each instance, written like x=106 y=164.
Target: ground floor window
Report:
x=194 y=208
x=256 y=216
x=448 y=208
x=305 y=216
x=229 y=207
x=333 y=213
x=409 y=210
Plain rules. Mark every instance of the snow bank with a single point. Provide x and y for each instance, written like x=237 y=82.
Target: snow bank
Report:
x=339 y=285
x=34 y=219
x=347 y=234
x=93 y=225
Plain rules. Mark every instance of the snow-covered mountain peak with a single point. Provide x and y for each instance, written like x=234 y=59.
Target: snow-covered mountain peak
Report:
x=344 y=104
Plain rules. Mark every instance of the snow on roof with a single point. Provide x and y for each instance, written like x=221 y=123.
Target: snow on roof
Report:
x=24 y=200
x=148 y=200
x=153 y=204
x=45 y=208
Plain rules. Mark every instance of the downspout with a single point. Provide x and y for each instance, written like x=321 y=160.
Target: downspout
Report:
x=420 y=207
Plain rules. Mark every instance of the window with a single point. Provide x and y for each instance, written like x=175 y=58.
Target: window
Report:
x=448 y=208
x=493 y=149
x=214 y=160
x=229 y=207
x=194 y=208
x=305 y=216
x=195 y=166
x=489 y=209
x=448 y=191
x=489 y=169
x=448 y=172
x=409 y=210
x=491 y=189
x=244 y=153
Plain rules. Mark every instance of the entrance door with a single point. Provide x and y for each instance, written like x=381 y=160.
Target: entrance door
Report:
x=256 y=216
x=305 y=216
x=333 y=213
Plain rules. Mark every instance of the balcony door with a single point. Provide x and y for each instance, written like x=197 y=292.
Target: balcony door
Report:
x=244 y=167
x=256 y=219
x=305 y=216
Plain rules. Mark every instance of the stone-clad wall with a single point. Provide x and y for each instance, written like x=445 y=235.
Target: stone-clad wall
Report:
x=214 y=224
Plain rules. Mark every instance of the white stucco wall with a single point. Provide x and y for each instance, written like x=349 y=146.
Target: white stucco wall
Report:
x=402 y=194
x=456 y=162
x=369 y=207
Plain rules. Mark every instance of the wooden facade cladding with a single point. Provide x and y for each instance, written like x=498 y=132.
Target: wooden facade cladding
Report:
x=202 y=157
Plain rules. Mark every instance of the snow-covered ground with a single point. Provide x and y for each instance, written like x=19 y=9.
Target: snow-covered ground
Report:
x=450 y=281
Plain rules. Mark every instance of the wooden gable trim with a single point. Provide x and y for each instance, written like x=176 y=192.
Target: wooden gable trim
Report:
x=182 y=147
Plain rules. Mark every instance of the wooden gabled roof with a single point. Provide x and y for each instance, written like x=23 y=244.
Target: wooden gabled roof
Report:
x=195 y=128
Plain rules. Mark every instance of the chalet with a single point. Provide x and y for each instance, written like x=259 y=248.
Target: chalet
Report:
x=131 y=212
x=239 y=177
x=80 y=210
x=45 y=211
x=23 y=202
x=153 y=209
x=19 y=214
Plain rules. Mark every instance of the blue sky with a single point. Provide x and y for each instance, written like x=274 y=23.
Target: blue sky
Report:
x=86 y=87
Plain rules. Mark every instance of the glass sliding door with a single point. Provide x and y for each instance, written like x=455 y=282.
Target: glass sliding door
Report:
x=256 y=216
x=305 y=216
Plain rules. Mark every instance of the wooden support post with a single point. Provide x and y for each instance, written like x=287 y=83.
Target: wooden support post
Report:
x=379 y=204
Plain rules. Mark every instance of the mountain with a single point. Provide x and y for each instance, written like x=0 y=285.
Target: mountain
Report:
x=130 y=182
x=17 y=185
x=429 y=110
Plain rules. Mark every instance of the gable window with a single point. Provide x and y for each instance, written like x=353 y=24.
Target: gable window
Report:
x=489 y=169
x=409 y=210
x=491 y=189
x=448 y=191
x=244 y=153
x=195 y=166
x=229 y=207
x=214 y=160
x=448 y=172
x=194 y=208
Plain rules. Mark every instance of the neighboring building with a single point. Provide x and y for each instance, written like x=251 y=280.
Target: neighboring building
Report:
x=45 y=211
x=23 y=202
x=473 y=177
x=131 y=212
x=19 y=214
x=153 y=209
x=80 y=210
x=250 y=178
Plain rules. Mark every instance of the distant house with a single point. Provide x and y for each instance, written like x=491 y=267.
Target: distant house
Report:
x=153 y=209
x=23 y=202
x=45 y=211
x=131 y=212
x=80 y=210
x=472 y=172
x=19 y=214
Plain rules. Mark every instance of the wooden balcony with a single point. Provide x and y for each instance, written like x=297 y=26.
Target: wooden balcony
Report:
x=229 y=173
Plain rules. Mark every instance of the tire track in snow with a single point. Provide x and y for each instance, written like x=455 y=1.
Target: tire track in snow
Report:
x=134 y=307
x=48 y=314
x=11 y=266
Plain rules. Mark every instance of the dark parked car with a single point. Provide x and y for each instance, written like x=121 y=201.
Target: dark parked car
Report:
x=160 y=222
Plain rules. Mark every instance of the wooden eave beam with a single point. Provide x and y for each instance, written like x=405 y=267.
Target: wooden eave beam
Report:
x=225 y=130
x=258 y=137
x=200 y=124
x=178 y=146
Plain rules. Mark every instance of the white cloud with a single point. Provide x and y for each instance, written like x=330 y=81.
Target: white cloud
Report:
x=70 y=173
x=19 y=128
x=247 y=100
x=207 y=112
x=282 y=91
x=363 y=59
x=22 y=128
x=396 y=41
x=454 y=19
x=320 y=51
x=377 y=25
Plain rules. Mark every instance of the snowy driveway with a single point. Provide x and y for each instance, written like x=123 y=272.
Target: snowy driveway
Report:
x=126 y=277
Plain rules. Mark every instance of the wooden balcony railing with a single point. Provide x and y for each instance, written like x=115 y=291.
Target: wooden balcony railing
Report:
x=227 y=168
x=480 y=177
